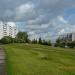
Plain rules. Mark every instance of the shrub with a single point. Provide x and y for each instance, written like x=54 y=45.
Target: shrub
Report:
x=62 y=44
x=44 y=42
x=6 y=40
x=34 y=41
x=71 y=44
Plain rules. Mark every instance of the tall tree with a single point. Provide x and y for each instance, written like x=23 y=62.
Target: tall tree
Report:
x=22 y=36
x=40 y=40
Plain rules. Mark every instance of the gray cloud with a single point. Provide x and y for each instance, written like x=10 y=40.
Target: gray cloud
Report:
x=11 y=9
x=45 y=18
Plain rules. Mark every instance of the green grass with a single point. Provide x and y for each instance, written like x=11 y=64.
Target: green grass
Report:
x=30 y=59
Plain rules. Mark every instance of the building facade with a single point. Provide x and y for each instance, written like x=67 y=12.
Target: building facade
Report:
x=73 y=36
x=8 y=29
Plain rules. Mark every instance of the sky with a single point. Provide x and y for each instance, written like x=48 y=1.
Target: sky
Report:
x=40 y=18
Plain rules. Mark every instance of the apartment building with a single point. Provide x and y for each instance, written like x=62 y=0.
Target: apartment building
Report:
x=8 y=29
x=73 y=36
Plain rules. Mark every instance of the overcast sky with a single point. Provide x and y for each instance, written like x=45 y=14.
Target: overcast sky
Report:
x=40 y=18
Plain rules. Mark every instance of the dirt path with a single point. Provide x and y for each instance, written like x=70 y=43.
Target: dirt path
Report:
x=2 y=62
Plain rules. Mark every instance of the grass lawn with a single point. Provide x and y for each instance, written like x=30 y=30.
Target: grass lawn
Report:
x=30 y=59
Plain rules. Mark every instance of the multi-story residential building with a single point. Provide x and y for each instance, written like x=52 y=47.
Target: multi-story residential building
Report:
x=73 y=36
x=1 y=30
x=8 y=29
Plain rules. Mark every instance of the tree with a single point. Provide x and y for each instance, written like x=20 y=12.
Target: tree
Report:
x=71 y=44
x=46 y=42
x=62 y=44
x=22 y=36
x=49 y=43
x=6 y=40
x=40 y=40
x=34 y=41
x=58 y=40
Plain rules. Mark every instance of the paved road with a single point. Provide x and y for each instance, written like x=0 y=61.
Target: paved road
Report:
x=2 y=62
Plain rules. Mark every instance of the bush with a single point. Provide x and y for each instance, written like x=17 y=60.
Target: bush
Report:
x=46 y=43
x=71 y=44
x=22 y=37
x=6 y=40
x=34 y=41
x=62 y=44
x=56 y=44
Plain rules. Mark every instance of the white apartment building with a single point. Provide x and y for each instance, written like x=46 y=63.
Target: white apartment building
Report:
x=8 y=29
x=73 y=36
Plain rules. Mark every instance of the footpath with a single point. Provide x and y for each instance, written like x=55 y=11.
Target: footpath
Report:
x=2 y=62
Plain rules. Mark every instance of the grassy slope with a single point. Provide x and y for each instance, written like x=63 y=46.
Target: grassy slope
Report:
x=39 y=60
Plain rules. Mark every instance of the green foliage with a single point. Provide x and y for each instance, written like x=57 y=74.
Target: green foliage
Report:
x=22 y=37
x=44 y=42
x=63 y=43
x=58 y=40
x=34 y=41
x=40 y=40
x=71 y=44
x=6 y=40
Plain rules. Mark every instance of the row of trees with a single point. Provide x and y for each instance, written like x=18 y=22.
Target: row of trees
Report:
x=65 y=43
x=22 y=37
x=42 y=42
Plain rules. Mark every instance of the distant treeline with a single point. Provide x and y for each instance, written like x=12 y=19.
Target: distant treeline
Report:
x=42 y=42
x=65 y=43
x=22 y=37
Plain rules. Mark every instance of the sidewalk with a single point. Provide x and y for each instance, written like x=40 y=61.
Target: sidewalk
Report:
x=2 y=62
